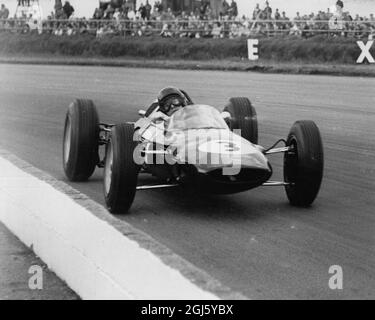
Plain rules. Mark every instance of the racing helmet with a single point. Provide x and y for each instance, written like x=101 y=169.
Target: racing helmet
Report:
x=170 y=98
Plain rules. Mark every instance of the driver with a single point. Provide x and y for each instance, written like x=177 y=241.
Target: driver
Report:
x=169 y=100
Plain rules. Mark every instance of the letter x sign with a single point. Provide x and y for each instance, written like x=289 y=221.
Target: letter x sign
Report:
x=365 y=52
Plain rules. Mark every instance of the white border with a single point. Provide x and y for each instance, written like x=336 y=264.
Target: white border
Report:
x=91 y=254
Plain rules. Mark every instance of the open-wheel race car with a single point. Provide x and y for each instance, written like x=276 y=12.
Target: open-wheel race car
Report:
x=188 y=144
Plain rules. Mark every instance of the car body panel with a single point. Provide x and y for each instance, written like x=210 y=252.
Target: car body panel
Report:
x=198 y=138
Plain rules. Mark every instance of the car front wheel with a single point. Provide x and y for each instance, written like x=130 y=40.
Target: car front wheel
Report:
x=303 y=164
x=81 y=140
x=120 y=170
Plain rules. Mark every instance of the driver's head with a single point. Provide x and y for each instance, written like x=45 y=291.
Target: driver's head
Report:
x=170 y=100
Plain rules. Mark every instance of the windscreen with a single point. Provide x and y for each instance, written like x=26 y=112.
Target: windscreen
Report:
x=196 y=117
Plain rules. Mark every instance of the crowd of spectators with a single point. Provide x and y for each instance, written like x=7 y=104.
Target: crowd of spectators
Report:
x=121 y=17
x=337 y=22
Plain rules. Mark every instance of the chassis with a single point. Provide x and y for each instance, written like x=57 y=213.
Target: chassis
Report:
x=84 y=135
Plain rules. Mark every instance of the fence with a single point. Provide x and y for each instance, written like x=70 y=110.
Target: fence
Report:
x=191 y=28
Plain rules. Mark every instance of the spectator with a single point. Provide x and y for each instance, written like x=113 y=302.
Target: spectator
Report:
x=158 y=5
x=100 y=31
x=305 y=30
x=277 y=15
x=311 y=20
x=209 y=13
x=165 y=32
x=70 y=30
x=285 y=25
x=294 y=30
x=131 y=14
x=4 y=12
x=156 y=15
x=192 y=24
x=59 y=30
x=225 y=9
x=59 y=11
x=339 y=8
x=83 y=27
x=233 y=10
x=142 y=11
x=284 y=17
x=148 y=10
x=168 y=16
x=202 y=10
x=267 y=11
x=68 y=9
x=216 y=31
x=116 y=15
x=109 y=12
x=297 y=20
x=98 y=14
x=24 y=2
x=256 y=12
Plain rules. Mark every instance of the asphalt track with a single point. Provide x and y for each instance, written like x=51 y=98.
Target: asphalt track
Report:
x=254 y=242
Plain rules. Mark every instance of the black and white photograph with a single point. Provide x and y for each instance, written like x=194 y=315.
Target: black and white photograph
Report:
x=187 y=154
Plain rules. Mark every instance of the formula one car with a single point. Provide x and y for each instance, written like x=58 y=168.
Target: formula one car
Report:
x=197 y=146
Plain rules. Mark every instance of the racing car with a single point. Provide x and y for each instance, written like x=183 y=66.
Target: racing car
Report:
x=188 y=145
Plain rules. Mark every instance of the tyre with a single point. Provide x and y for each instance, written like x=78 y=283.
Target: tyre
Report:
x=81 y=140
x=243 y=117
x=120 y=170
x=303 y=165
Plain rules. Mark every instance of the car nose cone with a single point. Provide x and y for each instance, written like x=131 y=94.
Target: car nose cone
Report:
x=213 y=149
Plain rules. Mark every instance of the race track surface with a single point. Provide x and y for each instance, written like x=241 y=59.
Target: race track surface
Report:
x=253 y=242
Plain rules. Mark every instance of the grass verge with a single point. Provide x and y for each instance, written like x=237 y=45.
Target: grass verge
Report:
x=262 y=66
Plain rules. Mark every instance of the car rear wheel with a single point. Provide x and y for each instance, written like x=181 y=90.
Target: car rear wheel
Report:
x=81 y=140
x=120 y=170
x=303 y=165
x=243 y=116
